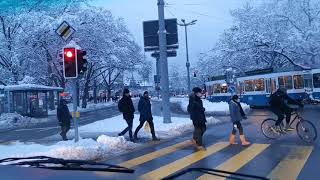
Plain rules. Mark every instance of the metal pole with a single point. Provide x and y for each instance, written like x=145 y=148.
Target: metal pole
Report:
x=74 y=113
x=187 y=63
x=164 y=64
x=158 y=74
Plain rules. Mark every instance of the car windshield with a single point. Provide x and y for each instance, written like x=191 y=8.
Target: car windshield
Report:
x=159 y=89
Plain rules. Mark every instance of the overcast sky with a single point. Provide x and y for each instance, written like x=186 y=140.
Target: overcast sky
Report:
x=213 y=17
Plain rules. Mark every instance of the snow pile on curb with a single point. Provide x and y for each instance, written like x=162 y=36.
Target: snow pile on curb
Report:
x=85 y=149
x=116 y=124
x=15 y=120
x=210 y=107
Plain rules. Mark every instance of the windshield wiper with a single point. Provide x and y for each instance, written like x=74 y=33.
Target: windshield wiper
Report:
x=215 y=172
x=46 y=162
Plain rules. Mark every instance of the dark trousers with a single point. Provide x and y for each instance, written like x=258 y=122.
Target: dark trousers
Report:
x=237 y=125
x=129 y=128
x=281 y=113
x=151 y=128
x=64 y=131
x=198 y=133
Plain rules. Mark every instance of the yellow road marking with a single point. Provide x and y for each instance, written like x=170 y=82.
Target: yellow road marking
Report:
x=236 y=162
x=148 y=157
x=292 y=164
x=184 y=162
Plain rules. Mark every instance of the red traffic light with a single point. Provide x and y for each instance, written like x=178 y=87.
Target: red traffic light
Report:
x=69 y=54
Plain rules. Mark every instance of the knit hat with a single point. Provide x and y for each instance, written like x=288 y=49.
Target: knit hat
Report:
x=126 y=91
x=146 y=92
x=235 y=97
x=197 y=90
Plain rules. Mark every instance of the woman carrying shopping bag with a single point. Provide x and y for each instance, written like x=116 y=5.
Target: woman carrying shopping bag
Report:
x=237 y=114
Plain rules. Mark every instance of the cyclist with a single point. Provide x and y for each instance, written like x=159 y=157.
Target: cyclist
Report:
x=279 y=105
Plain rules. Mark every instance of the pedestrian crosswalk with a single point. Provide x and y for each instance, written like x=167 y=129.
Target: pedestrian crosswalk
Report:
x=287 y=167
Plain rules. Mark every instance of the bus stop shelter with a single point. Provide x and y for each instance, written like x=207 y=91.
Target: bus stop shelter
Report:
x=27 y=99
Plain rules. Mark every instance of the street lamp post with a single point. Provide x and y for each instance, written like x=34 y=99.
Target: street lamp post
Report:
x=193 y=22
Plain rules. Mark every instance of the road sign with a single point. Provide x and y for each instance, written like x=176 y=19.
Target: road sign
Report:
x=169 y=54
x=65 y=30
x=151 y=36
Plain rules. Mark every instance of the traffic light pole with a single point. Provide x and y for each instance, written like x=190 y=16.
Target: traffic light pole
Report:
x=75 y=114
x=164 y=64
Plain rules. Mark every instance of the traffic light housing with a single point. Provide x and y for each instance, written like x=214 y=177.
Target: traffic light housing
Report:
x=82 y=61
x=70 y=65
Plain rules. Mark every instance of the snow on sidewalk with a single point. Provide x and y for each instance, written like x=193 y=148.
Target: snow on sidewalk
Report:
x=105 y=146
x=15 y=120
x=211 y=107
x=85 y=149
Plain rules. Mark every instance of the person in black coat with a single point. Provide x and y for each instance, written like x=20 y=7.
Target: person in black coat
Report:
x=125 y=106
x=144 y=108
x=279 y=105
x=196 y=110
x=64 y=118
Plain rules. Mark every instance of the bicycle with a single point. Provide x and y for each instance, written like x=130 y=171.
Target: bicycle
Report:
x=304 y=128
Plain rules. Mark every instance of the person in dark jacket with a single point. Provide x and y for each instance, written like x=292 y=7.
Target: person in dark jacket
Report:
x=279 y=105
x=196 y=110
x=144 y=108
x=125 y=106
x=64 y=118
x=236 y=115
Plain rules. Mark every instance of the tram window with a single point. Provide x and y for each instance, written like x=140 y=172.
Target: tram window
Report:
x=307 y=78
x=298 y=82
x=210 y=90
x=259 y=85
x=224 y=89
x=249 y=85
x=285 y=82
x=316 y=80
x=216 y=88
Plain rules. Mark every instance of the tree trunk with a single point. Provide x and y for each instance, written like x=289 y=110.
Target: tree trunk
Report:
x=78 y=93
x=85 y=95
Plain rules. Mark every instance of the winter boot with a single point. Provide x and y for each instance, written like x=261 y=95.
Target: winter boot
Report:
x=232 y=139
x=200 y=148
x=244 y=142
x=154 y=138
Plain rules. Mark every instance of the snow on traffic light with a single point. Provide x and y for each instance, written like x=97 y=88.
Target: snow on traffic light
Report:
x=70 y=66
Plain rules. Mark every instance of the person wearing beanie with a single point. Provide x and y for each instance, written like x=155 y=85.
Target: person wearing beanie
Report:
x=196 y=110
x=237 y=114
x=144 y=108
x=125 y=106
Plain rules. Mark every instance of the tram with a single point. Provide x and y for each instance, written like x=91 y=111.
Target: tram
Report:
x=256 y=87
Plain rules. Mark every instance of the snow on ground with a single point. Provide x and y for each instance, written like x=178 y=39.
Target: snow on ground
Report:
x=90 y=107
x=104 y=146
x=116 y=124
x=85 y=149
x=210 y=107
x=15 y=120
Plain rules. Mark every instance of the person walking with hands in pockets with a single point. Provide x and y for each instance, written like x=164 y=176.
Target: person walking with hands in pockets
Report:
x=236 y=115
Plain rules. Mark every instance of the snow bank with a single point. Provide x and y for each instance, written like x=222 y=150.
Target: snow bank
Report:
x=116 y=124
x=105 y=146
x=85 y=149
x=210 y=107
x=15 y=120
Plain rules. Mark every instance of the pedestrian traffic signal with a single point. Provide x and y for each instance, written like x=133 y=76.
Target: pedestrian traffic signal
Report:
x=82 y=61
x=70 y=63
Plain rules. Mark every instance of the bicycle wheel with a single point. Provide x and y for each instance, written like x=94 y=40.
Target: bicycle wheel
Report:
x=306 y=131
x=266 y=128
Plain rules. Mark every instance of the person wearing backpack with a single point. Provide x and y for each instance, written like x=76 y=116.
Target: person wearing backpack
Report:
x=196 y=110
x=236 y=115
x=126 y=107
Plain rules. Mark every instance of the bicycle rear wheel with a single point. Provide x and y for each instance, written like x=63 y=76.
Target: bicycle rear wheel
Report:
x=306 y=131
x=267 y=131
